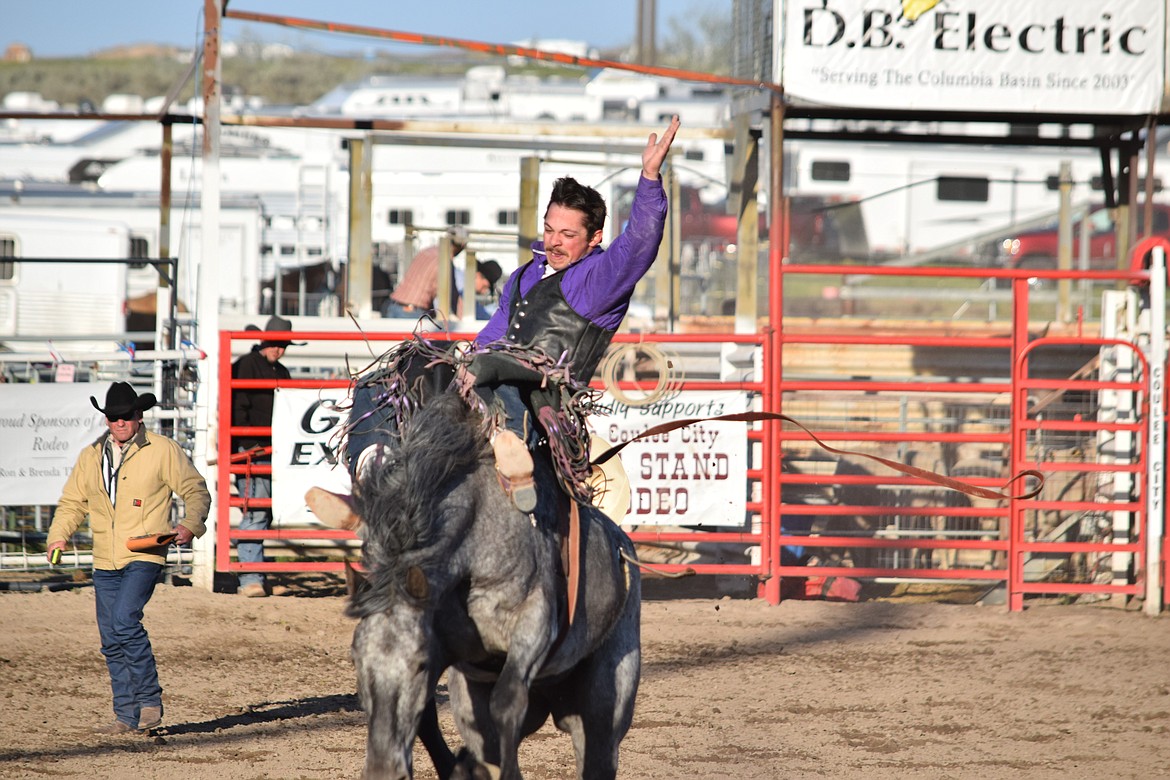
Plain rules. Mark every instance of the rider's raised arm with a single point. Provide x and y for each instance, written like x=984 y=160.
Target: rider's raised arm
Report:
x=657 y=148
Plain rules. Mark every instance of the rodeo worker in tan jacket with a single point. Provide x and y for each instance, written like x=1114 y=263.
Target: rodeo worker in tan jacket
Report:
x=123 y=484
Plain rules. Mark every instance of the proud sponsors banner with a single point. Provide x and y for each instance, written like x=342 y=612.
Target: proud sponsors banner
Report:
x=306 y=426
x=44 y=428
x=975 y=55
x=693 y=476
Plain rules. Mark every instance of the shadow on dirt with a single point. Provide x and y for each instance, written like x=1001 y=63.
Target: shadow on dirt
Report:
x=268 y=712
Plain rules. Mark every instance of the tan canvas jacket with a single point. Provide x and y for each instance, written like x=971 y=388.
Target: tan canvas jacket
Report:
x=153 y=469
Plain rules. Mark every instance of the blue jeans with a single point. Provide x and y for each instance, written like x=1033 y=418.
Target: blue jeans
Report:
x=519 y=418
x=371 y=425
x=121 y=595
x=392 y=309
x=252 y=550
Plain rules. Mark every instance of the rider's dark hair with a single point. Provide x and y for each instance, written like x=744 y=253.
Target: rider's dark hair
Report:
x=570 y=194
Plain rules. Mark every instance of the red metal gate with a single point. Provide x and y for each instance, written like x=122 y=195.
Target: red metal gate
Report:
x=756 y=527
x=982 y=429
x=812 y=514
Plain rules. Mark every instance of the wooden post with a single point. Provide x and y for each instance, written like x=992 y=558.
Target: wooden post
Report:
x=443 y=311
x=746 y=180
x=360 y=268
x=529 y=217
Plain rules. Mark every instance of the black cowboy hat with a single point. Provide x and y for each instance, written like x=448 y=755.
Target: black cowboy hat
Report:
x=491 y=271
x=121 y=399
x=276 y=322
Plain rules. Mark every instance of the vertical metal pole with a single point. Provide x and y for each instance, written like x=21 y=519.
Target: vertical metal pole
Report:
x=409 y=243
x=1148 y=181
x=207 y=299
x=360 y=268
x=165 y=373
x=640 y=32
x=1064 y=242
x=675 y=228
x=166 y=155
x=664 y=267
x=1156 y=454
x=219 y=521
x=651 y=32
x=467 y=322
x=1019 y=410
x=773 y=399
x=1126 y=224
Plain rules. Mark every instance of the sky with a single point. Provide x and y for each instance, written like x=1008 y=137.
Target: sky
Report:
x=66 y=28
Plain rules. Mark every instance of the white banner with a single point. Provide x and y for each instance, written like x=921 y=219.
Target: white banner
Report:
x=693 y=476
x=44 y=427
x=305 y=432
x=975 y=55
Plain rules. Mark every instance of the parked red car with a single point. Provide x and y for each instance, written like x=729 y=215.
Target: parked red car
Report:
x=1038 y=248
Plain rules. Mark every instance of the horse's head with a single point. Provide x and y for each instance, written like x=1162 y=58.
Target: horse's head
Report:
x=396 y=662
x=414 y=506
x=392 y=656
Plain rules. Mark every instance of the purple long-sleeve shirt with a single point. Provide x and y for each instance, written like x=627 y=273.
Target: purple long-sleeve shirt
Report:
x=599 y=285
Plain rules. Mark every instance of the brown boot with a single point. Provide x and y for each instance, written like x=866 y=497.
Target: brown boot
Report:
x=333 y=509
x=514 y=464
x=253 y=590
x=149 y=717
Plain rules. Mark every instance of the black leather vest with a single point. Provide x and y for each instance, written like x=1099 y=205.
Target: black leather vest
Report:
x=545 y=320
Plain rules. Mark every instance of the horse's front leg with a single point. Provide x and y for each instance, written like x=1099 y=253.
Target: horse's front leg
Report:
x=433 y=740
x=532 y=637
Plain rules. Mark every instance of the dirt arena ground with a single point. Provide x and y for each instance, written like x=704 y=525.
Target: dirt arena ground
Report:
x=731 y=688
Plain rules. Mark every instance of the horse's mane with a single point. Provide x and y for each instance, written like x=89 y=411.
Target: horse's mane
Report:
x=399 y=500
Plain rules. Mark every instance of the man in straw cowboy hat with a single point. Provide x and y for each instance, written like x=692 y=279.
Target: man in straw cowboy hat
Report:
x=124 y=484
x=254 y=408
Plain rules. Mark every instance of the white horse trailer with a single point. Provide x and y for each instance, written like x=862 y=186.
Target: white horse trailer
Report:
x=82 y=297
x=915 y=198
x=240 y=265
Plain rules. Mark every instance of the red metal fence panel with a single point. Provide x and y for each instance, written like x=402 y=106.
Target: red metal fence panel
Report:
x=975 y=403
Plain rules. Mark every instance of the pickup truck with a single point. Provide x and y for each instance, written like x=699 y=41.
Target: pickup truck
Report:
x=1037 y=248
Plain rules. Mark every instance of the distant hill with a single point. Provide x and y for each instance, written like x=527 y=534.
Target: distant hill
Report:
x=701 y=42
x=293 y=80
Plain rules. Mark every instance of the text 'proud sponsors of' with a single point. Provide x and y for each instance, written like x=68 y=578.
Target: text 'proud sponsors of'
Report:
x=975 y=55
x=691 y=476
x=44 y=426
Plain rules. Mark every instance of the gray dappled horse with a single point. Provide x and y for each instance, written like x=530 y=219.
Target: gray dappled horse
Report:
x=460 y=580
